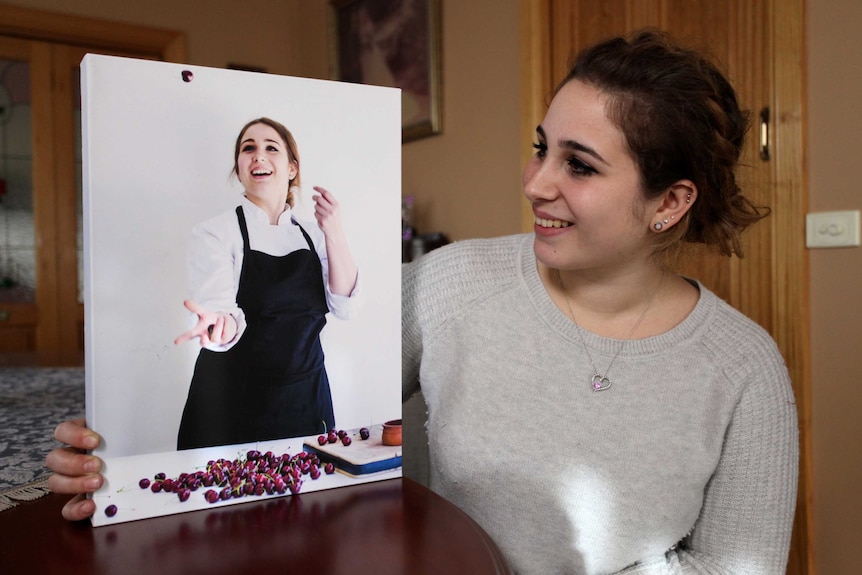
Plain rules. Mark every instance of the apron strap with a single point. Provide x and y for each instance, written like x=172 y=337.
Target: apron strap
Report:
x=246 y=247
x=305 y=235
x=243 y=229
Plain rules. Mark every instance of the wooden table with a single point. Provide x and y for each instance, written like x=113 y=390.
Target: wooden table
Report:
x=394 y=527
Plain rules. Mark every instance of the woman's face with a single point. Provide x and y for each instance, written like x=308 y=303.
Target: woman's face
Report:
x=584 y=187
x=263 y=164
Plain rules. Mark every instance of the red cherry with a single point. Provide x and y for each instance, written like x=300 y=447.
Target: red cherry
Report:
x=111 y=510
x=144 y=483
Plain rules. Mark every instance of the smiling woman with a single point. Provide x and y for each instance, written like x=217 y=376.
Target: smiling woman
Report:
x=581 y=174
x=262 y=284
x=623 y=415
x=266 y=155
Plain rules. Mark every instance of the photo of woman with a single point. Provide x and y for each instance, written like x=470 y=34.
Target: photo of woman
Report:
x=262 y=284
x=230 y=232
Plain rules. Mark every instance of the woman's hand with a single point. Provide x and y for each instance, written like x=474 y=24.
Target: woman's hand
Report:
x=74 y=471
x=327 y=212
x=212 y=327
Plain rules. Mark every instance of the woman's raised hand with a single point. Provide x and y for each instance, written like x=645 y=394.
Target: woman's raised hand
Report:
x=212 y=326
x=74 y=471
x=327 y=212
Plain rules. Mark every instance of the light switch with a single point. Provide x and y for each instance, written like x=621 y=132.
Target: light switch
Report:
x=832 y=229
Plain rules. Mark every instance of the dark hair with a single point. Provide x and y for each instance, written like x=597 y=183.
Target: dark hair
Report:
x=289 y=142
x=681 y=120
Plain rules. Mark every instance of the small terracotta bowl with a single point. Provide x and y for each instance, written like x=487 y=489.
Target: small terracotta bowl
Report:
x=392 y=432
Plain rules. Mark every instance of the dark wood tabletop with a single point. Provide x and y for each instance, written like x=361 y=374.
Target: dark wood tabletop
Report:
x=394 y=527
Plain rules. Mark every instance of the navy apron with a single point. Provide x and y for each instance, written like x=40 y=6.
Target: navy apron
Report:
x=272 y=384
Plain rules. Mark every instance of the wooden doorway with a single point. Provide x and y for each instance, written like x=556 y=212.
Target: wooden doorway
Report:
x=41 y=317
x=759 y=47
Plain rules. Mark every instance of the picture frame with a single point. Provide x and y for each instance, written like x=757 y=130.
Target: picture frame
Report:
x=392 y=43
x=138 y=118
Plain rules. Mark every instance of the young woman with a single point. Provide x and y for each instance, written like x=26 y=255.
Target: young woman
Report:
x=593 y=411
x=262 y=285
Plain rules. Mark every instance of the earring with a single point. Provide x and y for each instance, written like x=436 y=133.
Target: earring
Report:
x=673 y=217
x=688 y=198
x=658 y=226
x=665 y=221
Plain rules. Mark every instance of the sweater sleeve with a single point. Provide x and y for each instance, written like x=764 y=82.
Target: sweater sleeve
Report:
x=746 y=520
x=411 y=340
x=437 y=286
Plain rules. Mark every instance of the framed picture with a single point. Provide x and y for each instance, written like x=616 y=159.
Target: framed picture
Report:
x=393 y=43
x=187 y=238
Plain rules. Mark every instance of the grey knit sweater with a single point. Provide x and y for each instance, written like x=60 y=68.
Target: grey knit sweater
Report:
x=687 y=464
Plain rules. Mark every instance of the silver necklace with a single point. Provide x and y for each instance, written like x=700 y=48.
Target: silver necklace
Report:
x=601 y=381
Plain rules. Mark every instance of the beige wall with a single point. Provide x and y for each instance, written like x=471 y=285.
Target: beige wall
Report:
x=834 y=141
x=467 y=180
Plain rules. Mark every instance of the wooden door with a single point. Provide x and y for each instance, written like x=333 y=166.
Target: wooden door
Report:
x=42 y=308
x=45 y=325
x=759 y=47
x=26 y=222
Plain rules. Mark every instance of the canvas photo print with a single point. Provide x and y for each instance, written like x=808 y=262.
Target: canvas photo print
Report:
x=242 y=284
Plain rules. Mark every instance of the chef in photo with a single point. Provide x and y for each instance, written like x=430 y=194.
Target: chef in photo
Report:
x=262 y=283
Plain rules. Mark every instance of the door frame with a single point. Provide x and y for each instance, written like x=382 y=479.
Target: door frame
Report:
x=58 y=41
x=146 y=41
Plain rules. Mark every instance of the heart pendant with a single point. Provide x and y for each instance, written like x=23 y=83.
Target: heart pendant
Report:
x=600 y=382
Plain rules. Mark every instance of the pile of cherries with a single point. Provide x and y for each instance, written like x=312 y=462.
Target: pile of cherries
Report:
x=255 y=473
